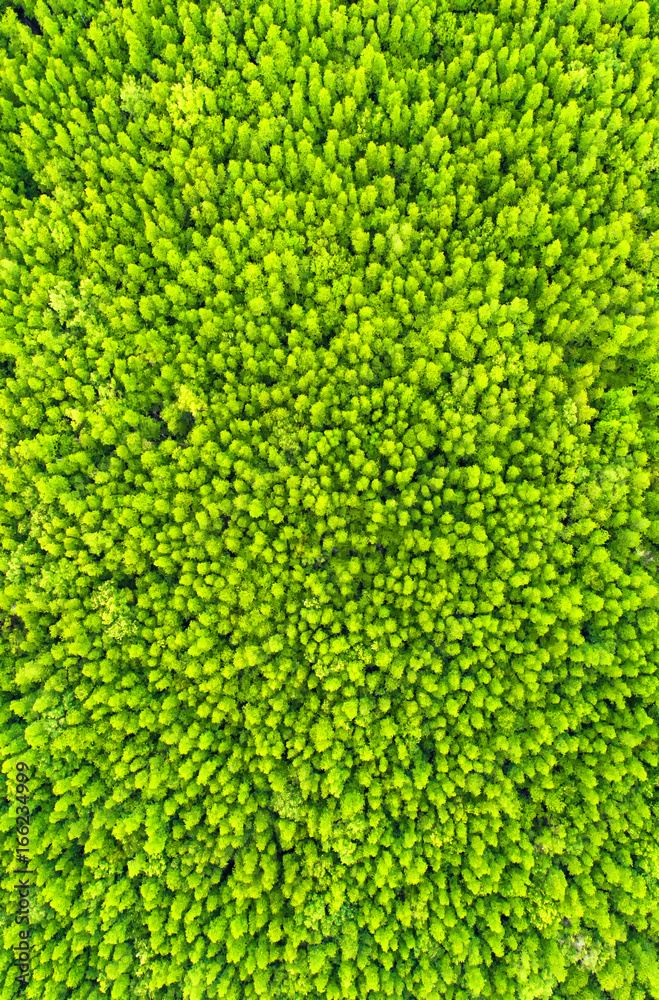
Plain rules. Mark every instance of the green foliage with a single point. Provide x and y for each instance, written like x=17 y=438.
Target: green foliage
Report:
x=329 y=514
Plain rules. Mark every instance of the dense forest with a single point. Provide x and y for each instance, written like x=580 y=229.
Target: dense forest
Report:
x=329 y=499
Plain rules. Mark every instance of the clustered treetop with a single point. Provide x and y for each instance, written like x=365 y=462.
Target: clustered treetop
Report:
x=328 y=457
